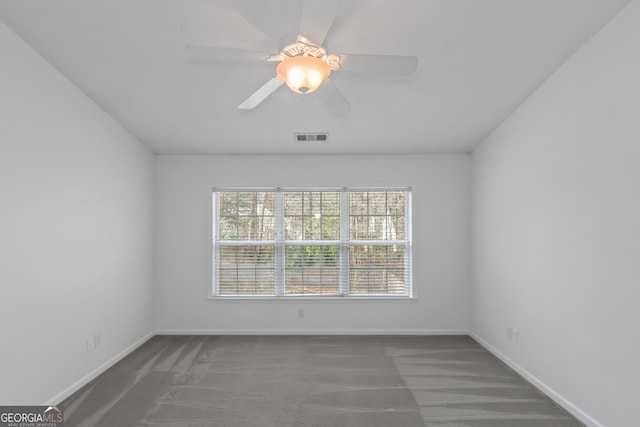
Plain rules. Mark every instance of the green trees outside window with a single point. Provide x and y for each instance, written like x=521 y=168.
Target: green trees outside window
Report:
x=311 y=242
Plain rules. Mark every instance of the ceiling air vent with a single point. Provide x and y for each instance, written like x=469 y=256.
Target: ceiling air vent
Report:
x=311 y=137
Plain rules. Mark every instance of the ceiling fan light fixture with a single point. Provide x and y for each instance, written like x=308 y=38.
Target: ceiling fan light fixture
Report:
x=303 y=74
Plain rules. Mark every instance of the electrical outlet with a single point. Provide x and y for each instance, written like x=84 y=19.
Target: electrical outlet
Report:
x=509 y=333
x=93 y=342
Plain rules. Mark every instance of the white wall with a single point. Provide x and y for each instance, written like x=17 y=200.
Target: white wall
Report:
x=441 y=236
x=76 y=227
x=556 y=229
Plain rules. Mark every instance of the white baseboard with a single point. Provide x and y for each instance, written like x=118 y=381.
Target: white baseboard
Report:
x=311 y=332
x=560 y=400
x=93 y=374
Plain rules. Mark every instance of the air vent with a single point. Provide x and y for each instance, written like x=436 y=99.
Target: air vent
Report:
x=311 y=137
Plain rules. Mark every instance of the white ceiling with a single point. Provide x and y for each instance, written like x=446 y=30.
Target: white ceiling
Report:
x=477 y=61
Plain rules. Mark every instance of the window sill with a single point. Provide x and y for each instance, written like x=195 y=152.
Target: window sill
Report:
x=314 y=299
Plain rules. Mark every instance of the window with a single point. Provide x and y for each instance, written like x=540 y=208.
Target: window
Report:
x=312 y=242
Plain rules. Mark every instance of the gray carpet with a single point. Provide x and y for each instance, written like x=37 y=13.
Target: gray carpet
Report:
x=268 y=381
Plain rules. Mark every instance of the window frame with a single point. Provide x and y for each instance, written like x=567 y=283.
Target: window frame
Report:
x=344 y=243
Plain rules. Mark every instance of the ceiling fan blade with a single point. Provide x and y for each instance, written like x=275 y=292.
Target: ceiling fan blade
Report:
x=227 y=55
x=334 y=99
x=379 y=64
x=261 y=94
x=316 y=19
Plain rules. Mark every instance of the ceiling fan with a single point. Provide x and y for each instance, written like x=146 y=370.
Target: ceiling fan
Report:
x=306 y=65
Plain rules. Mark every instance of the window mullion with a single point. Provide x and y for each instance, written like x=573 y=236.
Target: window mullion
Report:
x=344 y=242
x=408 y=214
x=279 y=243
x=215 y=243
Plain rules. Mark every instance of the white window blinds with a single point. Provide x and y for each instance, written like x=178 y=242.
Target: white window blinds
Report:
x=311 y=242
